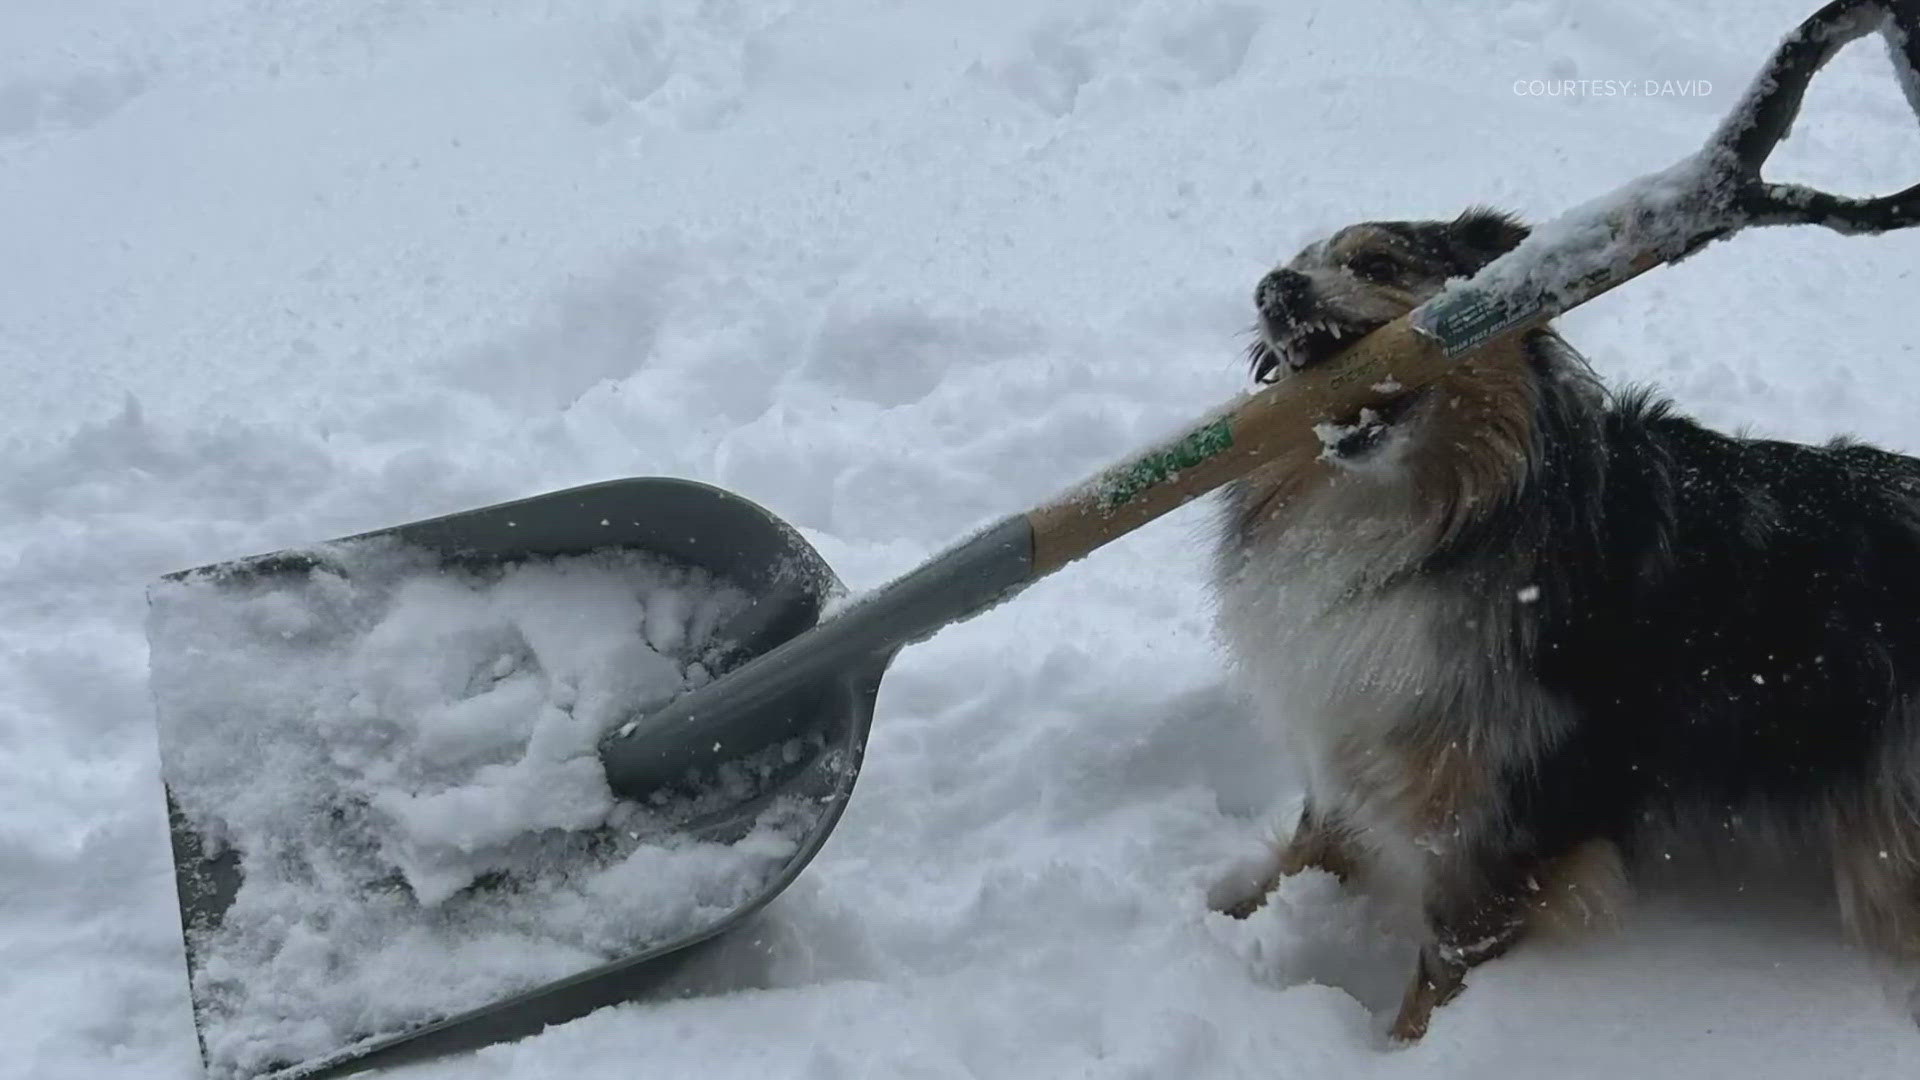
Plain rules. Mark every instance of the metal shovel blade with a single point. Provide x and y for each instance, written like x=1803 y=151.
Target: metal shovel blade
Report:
x=679 y=521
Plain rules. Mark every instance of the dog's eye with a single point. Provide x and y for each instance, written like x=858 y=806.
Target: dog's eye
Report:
x=1375 y=266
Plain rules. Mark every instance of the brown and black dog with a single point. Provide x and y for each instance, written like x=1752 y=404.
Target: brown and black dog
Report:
x=1520 y=629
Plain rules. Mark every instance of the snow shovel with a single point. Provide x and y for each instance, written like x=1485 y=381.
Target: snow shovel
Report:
x=805 y=675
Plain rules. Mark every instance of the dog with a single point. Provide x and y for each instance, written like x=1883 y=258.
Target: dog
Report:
x=1521 y=630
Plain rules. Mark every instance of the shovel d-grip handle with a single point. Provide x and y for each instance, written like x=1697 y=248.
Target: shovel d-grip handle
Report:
x=1767 y=112
x=1656 y=219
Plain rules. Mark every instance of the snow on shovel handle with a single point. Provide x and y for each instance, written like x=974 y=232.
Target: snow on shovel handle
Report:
x=1655 y=219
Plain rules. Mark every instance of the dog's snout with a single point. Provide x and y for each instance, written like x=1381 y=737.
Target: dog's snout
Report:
x=1281 y=293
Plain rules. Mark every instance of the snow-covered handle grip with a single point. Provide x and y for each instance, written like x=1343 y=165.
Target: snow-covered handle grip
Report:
x=1767 y=112
x=1585 y=252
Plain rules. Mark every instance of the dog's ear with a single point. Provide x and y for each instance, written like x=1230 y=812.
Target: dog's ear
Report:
x=1482 y=234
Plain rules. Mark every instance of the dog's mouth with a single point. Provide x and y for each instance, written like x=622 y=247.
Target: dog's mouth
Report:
x=1300 y=345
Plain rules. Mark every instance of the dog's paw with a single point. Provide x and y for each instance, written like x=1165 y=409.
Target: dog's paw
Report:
x=1246 y=905
x=1244 y=889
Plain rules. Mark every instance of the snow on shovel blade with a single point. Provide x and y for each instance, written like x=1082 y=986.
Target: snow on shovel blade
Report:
x=392 y=833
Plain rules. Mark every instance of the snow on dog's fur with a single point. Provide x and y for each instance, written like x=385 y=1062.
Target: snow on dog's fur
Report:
x=1519 y=629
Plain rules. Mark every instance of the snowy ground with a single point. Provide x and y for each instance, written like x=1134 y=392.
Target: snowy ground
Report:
x=279 y=272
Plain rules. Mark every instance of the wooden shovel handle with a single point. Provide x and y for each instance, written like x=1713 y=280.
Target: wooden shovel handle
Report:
x=1385 y=364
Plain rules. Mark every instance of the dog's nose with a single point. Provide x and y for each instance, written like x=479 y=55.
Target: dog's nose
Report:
x=1281 y=293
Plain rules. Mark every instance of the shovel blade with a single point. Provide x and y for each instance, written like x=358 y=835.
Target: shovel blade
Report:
x=679 y=521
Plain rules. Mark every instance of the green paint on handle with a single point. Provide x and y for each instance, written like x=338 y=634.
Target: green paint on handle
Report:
x=1122 y=484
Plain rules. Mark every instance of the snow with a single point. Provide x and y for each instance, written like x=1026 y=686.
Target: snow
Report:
x=1332 y=434
x=287 y=272
x=378 y=733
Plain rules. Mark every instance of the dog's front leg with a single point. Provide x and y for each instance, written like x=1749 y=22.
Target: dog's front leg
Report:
x=1318 y=843
x=1473 y=915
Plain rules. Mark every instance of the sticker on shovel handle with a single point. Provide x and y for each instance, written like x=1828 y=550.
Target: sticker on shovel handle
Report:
x=1462 y=318
x=1122 y=484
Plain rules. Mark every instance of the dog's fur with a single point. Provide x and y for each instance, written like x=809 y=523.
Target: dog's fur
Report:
x=1522 y=628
